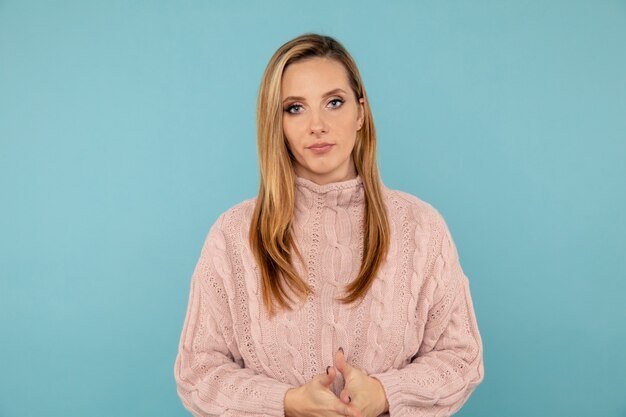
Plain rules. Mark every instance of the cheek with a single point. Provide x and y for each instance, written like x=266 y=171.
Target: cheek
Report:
x=287 y=133
x=290 y=138
x=290 y=129
x=348 y=129
x=347 y=121
x=285 y=127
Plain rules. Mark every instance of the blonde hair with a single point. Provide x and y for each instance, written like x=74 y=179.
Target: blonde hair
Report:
x=270 y=232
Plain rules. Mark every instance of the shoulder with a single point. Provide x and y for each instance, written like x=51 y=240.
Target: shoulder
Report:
x=417 y=219
x=234 y=223
x=420 y=222
x=241 y=212
x=401 y=204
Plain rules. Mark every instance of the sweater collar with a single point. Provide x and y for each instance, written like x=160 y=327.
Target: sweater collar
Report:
x=336 y=194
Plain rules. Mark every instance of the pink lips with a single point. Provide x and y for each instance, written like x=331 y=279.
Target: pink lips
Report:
x=320 y=148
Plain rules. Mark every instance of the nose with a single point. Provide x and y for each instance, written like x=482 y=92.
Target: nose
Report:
x=317 y=123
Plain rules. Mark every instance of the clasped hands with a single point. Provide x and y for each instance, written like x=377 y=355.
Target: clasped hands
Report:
x=362 y=395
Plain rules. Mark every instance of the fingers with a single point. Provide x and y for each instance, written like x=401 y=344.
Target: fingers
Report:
x=344 y=396
x=329 y=377
x=329 y=401
x=347 y=410
x=350 y=410
x=341 y=363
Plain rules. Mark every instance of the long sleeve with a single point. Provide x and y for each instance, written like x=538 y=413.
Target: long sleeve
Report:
x=449 y=362
x=210 y=377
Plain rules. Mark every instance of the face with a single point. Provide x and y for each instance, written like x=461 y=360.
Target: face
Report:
x=321 y=117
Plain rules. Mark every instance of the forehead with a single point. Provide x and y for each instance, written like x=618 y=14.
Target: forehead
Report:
x=313 y=77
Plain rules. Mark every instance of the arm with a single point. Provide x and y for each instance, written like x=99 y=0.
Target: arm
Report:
x=449 y=363
x=210 y=381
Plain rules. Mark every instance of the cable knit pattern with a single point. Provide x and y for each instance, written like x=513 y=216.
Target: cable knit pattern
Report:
x=415 y=330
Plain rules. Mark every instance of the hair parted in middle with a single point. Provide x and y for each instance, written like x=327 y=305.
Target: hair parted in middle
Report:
x=270 y=231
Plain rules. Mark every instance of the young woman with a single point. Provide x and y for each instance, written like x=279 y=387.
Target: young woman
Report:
x=328 y=294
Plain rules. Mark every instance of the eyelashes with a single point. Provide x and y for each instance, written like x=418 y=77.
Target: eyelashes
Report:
x=296 y=108
x=293 y=109
x=339 y=102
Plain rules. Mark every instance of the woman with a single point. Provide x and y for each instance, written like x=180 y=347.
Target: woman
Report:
x=328 y=294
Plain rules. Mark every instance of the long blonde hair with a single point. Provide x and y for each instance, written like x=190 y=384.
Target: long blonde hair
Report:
x=271 y=236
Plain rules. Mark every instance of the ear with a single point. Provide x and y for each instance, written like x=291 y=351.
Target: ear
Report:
x=361 y=117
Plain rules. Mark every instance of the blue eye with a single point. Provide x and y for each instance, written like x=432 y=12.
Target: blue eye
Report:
x=294 y=109
x=335 y=103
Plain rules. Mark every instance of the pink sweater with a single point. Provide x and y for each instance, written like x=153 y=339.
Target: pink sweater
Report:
x=415 y=330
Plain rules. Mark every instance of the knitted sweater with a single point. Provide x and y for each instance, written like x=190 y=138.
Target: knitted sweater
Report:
x=415 y=330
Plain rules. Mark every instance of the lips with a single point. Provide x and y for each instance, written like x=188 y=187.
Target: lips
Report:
x=320 y=148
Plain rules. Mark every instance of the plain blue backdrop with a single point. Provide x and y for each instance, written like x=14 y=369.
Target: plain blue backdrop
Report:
x=127 y=127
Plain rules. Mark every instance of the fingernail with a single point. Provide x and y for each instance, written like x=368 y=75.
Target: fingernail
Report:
x=341 y=349
x=327 y=368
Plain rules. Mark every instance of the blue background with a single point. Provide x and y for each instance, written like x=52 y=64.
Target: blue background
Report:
x=127 y=127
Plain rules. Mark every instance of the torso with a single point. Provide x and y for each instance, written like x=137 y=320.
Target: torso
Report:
x=382 y=331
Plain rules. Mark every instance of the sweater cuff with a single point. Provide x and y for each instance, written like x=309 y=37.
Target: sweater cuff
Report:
x=392 y=383
x=275 y=400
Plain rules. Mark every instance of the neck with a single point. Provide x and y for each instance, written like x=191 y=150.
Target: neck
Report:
x=348 y=173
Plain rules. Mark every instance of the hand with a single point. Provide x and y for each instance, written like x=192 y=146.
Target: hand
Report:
x=364 y=392
x=315 y=399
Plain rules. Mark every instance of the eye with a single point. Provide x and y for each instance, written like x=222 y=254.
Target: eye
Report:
x=335 y=103
x=294 y=109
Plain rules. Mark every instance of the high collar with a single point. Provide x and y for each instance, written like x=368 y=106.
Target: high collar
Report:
x=333 y=195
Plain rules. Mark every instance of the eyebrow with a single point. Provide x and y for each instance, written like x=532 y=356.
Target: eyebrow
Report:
x=329 y=93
